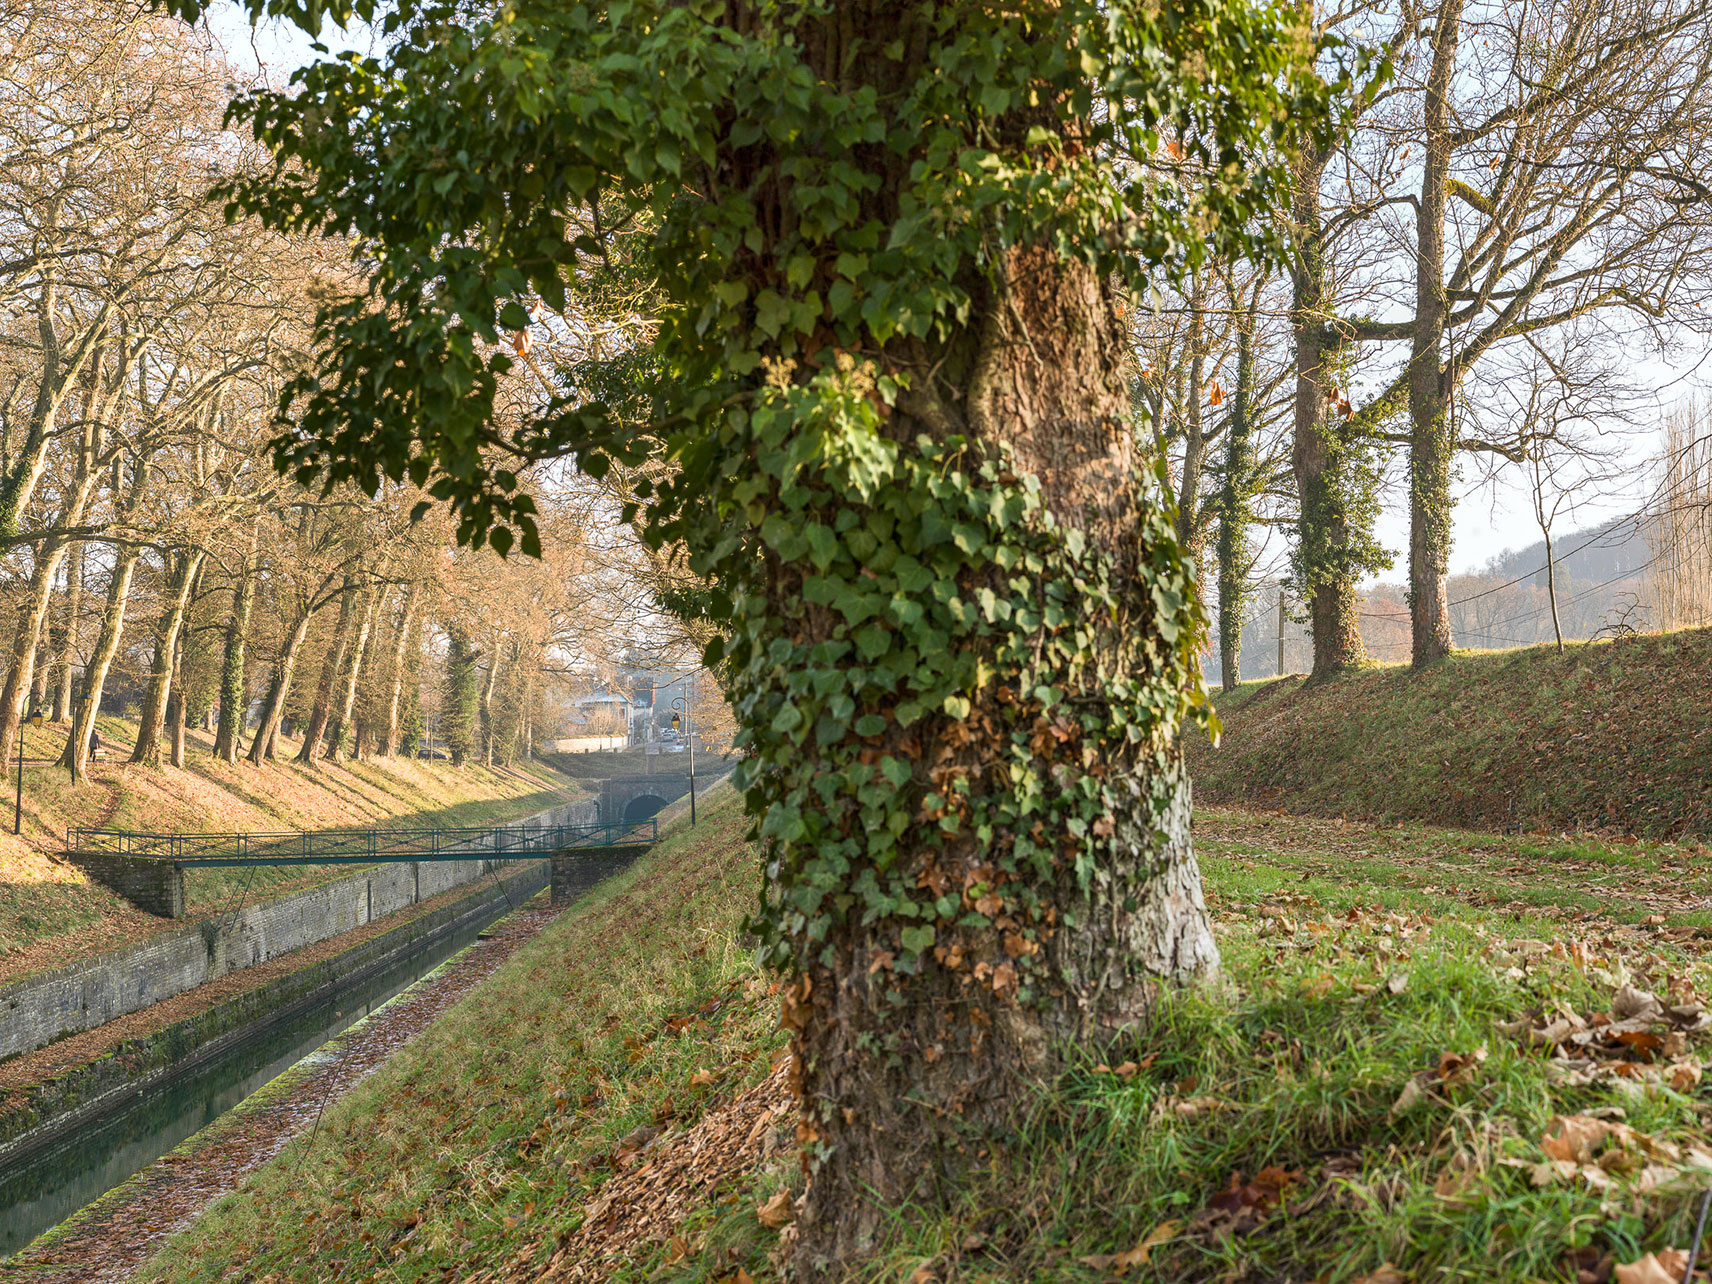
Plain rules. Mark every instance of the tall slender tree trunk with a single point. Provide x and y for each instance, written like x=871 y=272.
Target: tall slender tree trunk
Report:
x=1319 y=458
x=400 y=650
x=185 y=568
x=266 y=742
x=1234 y=499
x=322 y=708
x=175 y=710
x=1194 y=426
x=487 y=697
x=100 y=661
x=348 y=700
x=233 y=689
x=24 y=644
x=1432 y=449
x=1551 y=588
x=72 y=634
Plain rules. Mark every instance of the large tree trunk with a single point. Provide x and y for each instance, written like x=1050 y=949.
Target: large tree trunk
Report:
x=909 y=1072
x=233 y=688
x=1431 y=447
x=322 y=709
x=71 y=635
x=400 y=650
x=266 y=743
x=148 y=750
x=76 y=753
x=1320 y=456
x=348 y=701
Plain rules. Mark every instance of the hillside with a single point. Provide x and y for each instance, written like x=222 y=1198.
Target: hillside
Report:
x=1612 y=735
x=50 y=911
x=1366 y=1102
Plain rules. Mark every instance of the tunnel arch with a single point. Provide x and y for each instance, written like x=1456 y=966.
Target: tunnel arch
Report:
x=642 y=807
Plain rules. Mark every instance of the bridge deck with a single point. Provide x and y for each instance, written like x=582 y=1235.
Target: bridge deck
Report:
x=358 y=846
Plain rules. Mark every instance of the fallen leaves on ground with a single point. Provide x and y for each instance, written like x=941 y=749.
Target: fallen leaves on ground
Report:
x=1663 y=1267
x=1600 y=1151
x=1118 y=1263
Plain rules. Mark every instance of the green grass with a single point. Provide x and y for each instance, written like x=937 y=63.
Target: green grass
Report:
x=1607 y=736
x=1355 y=959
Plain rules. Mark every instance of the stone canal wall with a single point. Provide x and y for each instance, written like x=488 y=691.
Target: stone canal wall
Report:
x=93 y=991
x=36 y=1116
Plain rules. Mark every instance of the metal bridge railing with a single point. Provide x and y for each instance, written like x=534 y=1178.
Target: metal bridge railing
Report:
x=360 y=846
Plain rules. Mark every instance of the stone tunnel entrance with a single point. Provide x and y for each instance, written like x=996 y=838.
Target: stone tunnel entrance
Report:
x=642 y=807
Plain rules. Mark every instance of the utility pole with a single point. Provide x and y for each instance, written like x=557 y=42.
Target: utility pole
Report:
x=1280 y=628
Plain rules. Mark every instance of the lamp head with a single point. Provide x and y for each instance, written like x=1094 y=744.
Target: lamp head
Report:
x=36 y=719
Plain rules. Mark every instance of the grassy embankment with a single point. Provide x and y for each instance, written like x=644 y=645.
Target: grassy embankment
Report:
x=44 y=901
x=1614 y=735
x=1367 y=1087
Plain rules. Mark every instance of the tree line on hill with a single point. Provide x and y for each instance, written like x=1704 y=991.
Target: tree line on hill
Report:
x=1479 y=261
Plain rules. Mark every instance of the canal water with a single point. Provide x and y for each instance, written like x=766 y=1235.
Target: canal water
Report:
x=45 y=1188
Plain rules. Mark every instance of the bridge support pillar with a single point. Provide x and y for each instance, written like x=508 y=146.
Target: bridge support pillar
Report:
x=148 y=883
x=577 y=870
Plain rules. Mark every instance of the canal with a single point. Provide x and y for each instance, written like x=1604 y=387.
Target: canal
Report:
x=42 y=1189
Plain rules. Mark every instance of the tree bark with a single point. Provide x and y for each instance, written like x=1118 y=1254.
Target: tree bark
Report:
x=266 y=742
x=1431 y=448
x=101 y=659
x=29 y=629
x=347 y=703
x=148 y=750
x=1046 y=381
x=1319 y=456
x=487 y=697
x=233 y=689
x=1233 y=550
x=72 y=633
x=401 y=649
x=322 y=709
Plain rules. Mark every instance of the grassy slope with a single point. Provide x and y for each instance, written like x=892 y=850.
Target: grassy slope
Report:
x=43 y=898
x=1615 y=735
x=1356 y=960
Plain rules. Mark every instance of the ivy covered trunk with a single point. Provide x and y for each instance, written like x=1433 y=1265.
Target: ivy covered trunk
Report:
x=1328 y=474
x=984 y=885
x=958 y=624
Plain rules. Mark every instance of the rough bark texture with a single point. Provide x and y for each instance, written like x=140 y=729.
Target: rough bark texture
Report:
x=1431 y=448
x=148 y=748
x=1041 y=373
x=233 y=688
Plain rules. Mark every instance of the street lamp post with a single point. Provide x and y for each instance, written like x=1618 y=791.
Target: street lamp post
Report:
x=682 y=703
x=35 y=720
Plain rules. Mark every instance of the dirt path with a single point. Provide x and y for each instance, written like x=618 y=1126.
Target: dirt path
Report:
x=108 y=1241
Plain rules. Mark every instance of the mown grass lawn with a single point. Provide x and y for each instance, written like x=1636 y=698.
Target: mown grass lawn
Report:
x=1435 y=1055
